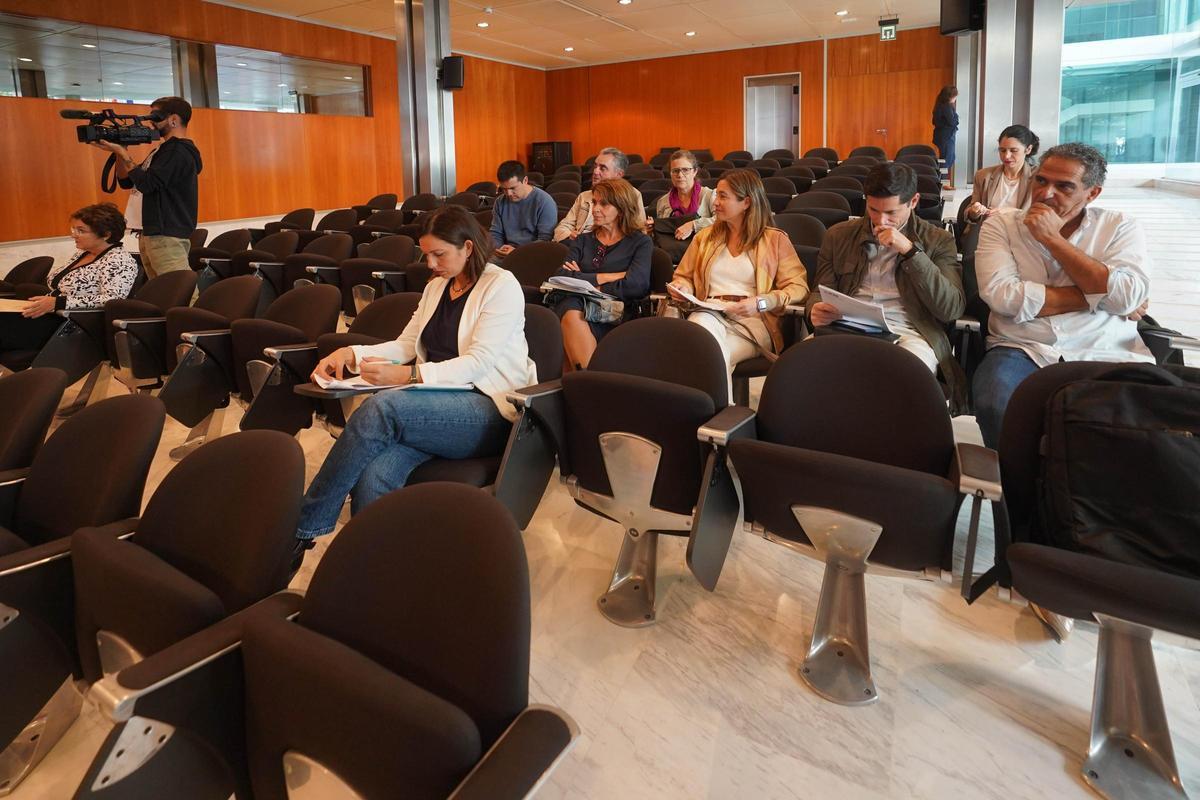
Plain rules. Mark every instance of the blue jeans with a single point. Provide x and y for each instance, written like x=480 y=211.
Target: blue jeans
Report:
x=997 y=377
x=389 y=436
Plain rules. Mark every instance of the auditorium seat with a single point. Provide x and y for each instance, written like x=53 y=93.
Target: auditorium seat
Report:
x=380 y=202
x=41 y=507
x=802 y=230
x=656 y=185
x=704 y=156
x=922 y=167
x=281 y=277
x=829 y=207
x=932 y=205
x=739 y=158
x=28 y=400
x=856 y=171
x=801 y=177
x=569 y=169
x=784 y=156
x=300 y=219
x=31 y=270
x=624 y=433
x=827 y=154
x=214 y=367
x=765 y=167
x=659 y=160
x=198 y=238
x=418 y=204
x=916 y=150
x=341 y=221
x=355 y=683
x=272 y=247
x=533 y=264
x=485 y=218
x=562 y=186
x=921 y=163
x=468 y=200
x=355 y=276
x=146 y=347
x=871 y=151
x=861 y=469
x=779 y=185
x=635 y=158
x=818 y=166
x=379 y=224
x=223 y=245
x=486 y=190
x=861 y=161
x=715 y=168
x=848 y=186
x=536 y=178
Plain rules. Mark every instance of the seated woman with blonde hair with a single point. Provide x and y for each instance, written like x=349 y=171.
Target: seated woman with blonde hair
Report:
x=743 y=264
x=614 y=256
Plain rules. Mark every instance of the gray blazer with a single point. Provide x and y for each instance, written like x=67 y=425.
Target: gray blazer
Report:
x=987 y=178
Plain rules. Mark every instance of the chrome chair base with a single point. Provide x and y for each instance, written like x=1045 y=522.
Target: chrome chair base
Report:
x=363 y=296
x=631 y=462
x=208 y=430
x=32 y=744
x=1059 y=627
x=1130 y=757
x=838 y=664
x=94 y=389
x=115 y=652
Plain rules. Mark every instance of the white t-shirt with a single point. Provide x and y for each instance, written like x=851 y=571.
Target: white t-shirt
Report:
x=133 y=209
x=1004 y=193
x=732 y=276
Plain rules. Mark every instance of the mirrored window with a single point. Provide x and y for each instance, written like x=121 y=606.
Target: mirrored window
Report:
x=259 y=80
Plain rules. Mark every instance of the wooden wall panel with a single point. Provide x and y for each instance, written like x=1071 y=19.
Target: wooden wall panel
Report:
x=891 y=85
x=498 y=113
x=255 y=163
x=693 y=101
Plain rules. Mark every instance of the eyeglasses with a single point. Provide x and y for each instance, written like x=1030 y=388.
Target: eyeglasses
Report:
x=80 y=231
x=682 y=170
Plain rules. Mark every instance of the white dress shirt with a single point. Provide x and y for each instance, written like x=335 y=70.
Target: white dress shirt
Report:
x=879 y=287
x=1014 y=269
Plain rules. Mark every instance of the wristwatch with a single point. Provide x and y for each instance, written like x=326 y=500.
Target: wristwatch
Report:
x=916 y=248
x=414 y=376
x=761 y=304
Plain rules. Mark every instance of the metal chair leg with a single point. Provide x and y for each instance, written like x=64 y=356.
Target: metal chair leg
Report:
x=363 y=296
x=37 y=738
x=94 y=389
x=208 y=429
x=1130 y=757
x=838 y=664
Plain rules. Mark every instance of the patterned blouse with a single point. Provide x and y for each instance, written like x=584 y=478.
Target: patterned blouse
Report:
x=109 y=277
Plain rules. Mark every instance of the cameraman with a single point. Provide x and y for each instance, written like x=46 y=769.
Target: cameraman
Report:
x=163 y=202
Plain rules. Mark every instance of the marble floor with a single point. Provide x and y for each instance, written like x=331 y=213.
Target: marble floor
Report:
x=975 y=702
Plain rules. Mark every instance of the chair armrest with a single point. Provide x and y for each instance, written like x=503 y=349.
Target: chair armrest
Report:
x=117 y=695
x=67 y=313
x=731 y=422
x=194 y=337
x=1177 y=341
x=979 y=472
x=58 y=549
x=795 y=309
x=384 y=274
x=123 y=324
x=259 y=264
x=212 y=262
x=522 y=758
x=527 y=397
x=11 y=477
x=281 y=350
x=381 y=234
x=317 y=269
x=966 y=324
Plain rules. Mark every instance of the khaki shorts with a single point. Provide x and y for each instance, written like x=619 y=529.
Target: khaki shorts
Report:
x=163 y=254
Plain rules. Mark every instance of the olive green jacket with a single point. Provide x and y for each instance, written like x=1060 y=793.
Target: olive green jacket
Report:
x=929 y=283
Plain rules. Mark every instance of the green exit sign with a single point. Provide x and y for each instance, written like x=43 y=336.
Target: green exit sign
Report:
x=887 y=33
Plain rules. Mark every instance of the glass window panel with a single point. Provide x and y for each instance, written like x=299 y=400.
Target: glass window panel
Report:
x=259 y=80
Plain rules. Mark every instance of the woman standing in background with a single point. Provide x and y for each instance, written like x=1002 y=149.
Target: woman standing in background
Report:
x=945 y=125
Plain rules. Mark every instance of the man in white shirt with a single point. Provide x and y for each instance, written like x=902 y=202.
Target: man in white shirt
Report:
x=610 y=163
x=1065 y=281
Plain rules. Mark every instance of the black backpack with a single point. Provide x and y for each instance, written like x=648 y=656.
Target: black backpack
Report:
x=1120 y=472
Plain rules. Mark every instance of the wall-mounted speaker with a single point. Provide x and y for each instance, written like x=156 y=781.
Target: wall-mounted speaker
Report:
x=453 y=72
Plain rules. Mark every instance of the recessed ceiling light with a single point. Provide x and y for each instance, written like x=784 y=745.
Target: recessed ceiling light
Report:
x=481 y=24
x=227 y=92
x=117 y=83
x=347 y=78
x=690 y=33
x=241 y=63
x=281 y=85
x=848 y=19
x=842 y=13
x=89 y=46
x=624 y=2
x=568 y=49
x=26 y=60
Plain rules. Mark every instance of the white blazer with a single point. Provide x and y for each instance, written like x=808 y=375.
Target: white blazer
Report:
x=493 y=353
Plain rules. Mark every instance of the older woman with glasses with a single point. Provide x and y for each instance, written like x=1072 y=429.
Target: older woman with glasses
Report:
x=684 y=210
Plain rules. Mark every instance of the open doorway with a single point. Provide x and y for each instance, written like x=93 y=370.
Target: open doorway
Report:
x=773 y=113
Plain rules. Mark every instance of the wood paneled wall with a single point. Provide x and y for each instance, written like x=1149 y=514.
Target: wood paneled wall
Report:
x=890 y=85
x=689 y=101
x=255 y=163
x=498 y=113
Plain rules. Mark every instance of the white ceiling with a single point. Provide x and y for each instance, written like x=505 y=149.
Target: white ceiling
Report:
x=535 y=32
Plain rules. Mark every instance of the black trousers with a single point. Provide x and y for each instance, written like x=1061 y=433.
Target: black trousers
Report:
x=19 y=333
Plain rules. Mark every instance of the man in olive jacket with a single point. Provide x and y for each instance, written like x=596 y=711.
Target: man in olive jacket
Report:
x=897 y=260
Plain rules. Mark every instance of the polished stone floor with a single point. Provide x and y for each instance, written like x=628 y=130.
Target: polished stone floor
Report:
x=975 y=702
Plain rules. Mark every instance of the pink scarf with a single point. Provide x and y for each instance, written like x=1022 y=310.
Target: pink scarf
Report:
x=677 y=209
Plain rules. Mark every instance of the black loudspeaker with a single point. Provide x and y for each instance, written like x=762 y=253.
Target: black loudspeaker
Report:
x=546 y=157
x=453 y=72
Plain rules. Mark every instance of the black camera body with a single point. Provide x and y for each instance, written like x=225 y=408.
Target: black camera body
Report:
x=109 y=126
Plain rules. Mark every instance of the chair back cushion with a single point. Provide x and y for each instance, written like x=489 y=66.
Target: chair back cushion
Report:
x=233 y=298
x=28 y=400
x=543 y=334
x=312 y=309
x=168 y=290
x=534 y=262
x=341 y=220
x=386 y=317
x=92 y=470
x=299 y=218
x=231 y=241
x=280 y=245
x=431 y=583
x=399 y=250
x=31 y=270
x=337 y=246
x=671 y=350
x=858 y=397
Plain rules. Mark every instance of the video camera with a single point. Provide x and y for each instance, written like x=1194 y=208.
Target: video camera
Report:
x=109 y=126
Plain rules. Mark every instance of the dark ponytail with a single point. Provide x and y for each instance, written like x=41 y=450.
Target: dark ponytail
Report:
x=1024 y=136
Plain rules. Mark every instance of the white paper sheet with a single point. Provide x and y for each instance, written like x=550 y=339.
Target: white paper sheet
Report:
x=855 y=310
x=691 y=298
x=573 y=285
x=358 y=383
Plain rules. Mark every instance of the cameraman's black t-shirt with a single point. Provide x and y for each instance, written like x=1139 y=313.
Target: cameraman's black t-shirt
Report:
x=169 y=189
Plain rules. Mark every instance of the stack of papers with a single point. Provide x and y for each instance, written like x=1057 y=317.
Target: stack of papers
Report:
x=711 y=305
x=855 y=311
x=577 y=285
x=359 y=384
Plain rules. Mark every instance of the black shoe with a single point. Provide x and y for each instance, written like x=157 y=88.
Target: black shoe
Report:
x=302 y=547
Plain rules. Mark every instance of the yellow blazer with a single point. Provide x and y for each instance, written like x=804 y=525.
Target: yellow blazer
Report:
x=778 y=274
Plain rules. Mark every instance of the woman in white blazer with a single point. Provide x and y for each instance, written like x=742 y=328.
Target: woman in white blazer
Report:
x=468 y=330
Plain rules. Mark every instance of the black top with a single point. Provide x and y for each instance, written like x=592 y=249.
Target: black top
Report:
x=631 y=255
x=945 y=119
x=440 y=335
x=168 y=187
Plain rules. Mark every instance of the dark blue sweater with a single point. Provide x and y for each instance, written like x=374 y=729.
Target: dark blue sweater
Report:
x=631 y=255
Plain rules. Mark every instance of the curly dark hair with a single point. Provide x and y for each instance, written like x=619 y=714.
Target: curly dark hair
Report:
x=105 y=220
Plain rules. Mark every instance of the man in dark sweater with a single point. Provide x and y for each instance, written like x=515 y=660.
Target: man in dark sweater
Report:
x=163 y=198
x=524 y=213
